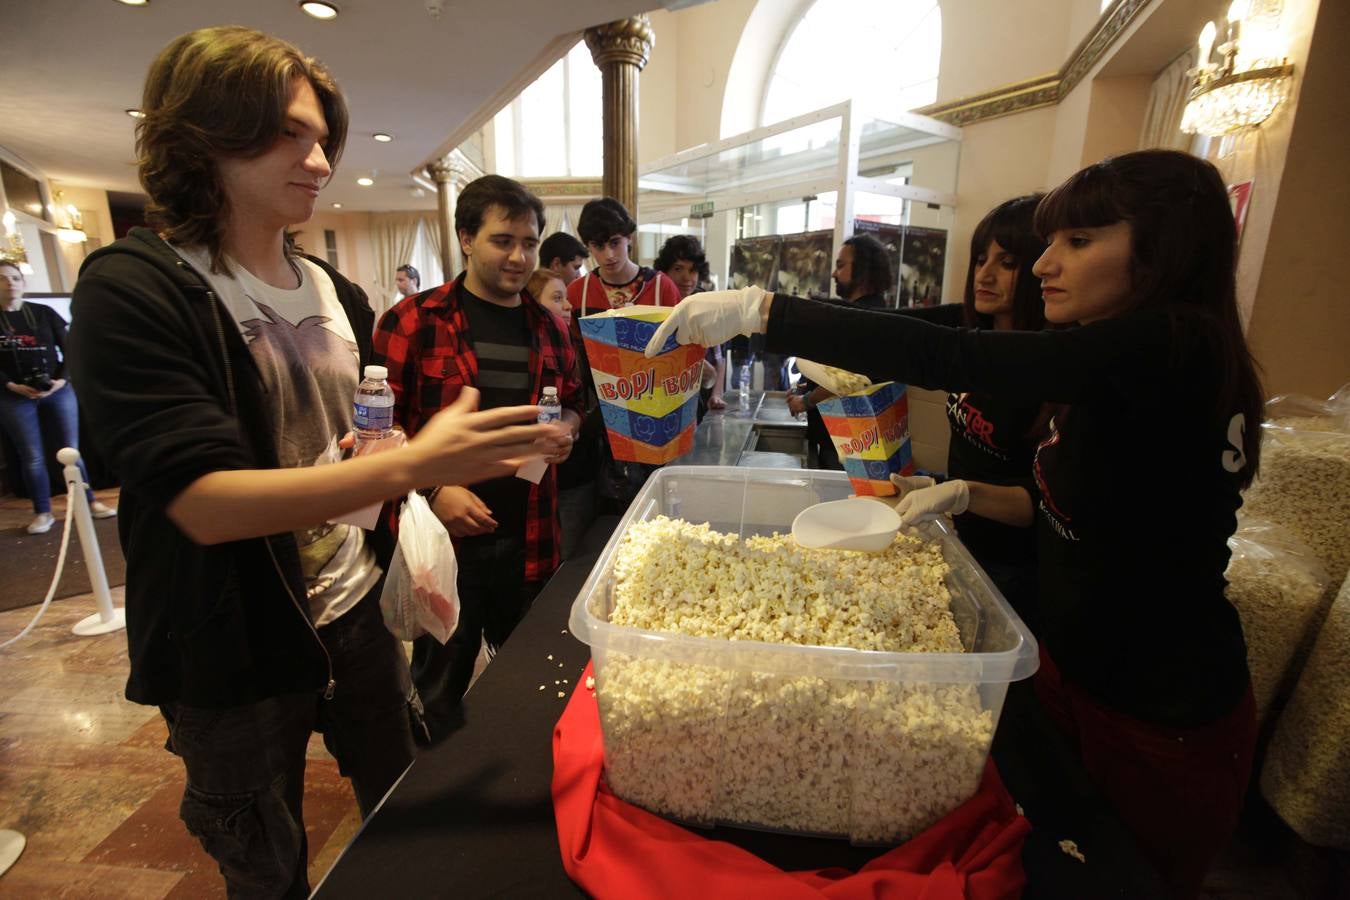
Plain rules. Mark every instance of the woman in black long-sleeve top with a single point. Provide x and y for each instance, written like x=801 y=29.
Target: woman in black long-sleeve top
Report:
x=1143 y=660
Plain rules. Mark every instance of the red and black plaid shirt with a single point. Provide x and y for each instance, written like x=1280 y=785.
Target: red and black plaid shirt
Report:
x=424 y=341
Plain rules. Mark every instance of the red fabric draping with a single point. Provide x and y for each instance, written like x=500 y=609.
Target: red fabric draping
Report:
x=614 y=849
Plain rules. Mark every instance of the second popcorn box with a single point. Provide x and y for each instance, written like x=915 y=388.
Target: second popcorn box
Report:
x=649 y=406
x=870 y=431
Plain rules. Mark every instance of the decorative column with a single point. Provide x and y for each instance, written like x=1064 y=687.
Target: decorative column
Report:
x=444 y=172
x=620 y=50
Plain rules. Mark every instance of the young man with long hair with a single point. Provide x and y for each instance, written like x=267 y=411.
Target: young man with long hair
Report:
x=218 y=364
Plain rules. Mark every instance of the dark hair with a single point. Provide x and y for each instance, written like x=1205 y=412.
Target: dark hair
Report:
x=871 y=265
x=212 y=93
x=411 y=272
x=601 y=219
x=1183 y=255
x=1011 y=225
x=683 y=247
x=494 y=190
x=562 y=246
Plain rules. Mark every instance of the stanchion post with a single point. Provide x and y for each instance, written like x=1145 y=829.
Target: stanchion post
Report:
x=108 y=618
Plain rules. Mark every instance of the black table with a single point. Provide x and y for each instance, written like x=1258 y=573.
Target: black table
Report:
x=473 y=816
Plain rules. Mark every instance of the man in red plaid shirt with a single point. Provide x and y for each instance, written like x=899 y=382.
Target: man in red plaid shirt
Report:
x=485 y=330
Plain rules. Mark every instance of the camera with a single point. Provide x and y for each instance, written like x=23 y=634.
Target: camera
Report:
x=38 y=381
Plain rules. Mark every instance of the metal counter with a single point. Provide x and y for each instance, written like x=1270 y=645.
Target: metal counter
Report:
x=731 y=436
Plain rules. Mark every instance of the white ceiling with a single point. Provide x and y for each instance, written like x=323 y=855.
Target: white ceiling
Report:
x=69 y=69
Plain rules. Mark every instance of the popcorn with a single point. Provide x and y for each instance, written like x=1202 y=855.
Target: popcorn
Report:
x=1304 y=485
x=1306 y=776
x=877 y=760
x=1280 y=593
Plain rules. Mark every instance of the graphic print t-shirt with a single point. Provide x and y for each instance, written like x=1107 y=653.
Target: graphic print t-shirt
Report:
x=303 y=345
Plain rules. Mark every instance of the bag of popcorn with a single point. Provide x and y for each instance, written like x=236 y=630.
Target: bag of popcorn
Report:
x=650 y=406
x=870 y=431
x=1304 y=482
x=1279 y=589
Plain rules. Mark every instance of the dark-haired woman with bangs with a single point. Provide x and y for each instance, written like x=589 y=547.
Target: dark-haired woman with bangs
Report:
x=1143 y=661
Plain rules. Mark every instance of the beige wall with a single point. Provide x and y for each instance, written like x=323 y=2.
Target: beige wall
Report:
x=1300 y=322
x=356 y=258
x=980 y=52
x=658 y=90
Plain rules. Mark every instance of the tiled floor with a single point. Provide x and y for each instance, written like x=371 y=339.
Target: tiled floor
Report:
x=85 y=777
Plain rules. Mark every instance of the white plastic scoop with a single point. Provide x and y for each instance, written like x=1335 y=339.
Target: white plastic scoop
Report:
x=858 y=523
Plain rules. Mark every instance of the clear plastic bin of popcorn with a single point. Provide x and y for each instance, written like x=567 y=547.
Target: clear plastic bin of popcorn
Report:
x=744 y=680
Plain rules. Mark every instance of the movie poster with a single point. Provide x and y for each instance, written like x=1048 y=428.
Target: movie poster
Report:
x=922 y=258
x=805 y=264
x=755 y=261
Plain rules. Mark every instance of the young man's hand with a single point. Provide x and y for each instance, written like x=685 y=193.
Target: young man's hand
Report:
x=461 y=446
x=24 y=391
x=463 y=513
x=558 y=446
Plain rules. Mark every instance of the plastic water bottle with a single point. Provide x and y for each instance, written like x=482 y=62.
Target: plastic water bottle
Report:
x=745 y=382
x=550 y=407
x=373 y=407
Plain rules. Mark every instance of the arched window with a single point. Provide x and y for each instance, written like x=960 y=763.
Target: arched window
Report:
x=552 y=129
x=885 y=55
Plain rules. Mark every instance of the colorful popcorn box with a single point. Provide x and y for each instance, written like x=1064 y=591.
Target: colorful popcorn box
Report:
x=650 y=406
x=870 y=430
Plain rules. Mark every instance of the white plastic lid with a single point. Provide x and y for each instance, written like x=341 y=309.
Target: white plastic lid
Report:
x=550 y=392
x=377 y=373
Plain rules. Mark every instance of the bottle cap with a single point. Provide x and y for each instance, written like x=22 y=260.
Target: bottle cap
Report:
x=377 y=373
x=550 y=392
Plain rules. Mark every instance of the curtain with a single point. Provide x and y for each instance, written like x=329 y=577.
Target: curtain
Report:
x=431 y=233
x=392 y=236
x=561 y=217
x=1166 y=102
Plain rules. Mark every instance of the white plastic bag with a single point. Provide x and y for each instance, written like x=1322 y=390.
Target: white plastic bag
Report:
x=420 y=594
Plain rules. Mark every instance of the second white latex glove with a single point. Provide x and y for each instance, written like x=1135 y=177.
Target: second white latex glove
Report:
x=920 y=503
x=711 y=318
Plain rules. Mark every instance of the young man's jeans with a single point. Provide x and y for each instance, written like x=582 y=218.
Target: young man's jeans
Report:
x=493 y=597
x=21 y=419
x=246 y=764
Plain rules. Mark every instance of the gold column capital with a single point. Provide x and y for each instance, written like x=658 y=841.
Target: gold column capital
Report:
x=447 y=170
x=628 y=40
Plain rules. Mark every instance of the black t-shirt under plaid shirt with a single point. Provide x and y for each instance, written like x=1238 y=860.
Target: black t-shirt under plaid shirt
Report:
x=501 y=340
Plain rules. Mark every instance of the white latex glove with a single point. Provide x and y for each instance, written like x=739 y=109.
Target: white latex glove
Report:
x=711 y=318
x=923 y=501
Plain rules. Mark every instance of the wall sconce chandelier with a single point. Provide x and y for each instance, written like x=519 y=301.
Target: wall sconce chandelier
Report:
x=1251 y=79
x=69 y=221
x=12 y=249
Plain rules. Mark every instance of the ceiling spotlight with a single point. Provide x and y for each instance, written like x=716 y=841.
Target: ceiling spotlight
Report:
x=319 y=9
x=134 y=2
x=364 y=181
x=382 y=137
x=337 y=206
x=136 y=114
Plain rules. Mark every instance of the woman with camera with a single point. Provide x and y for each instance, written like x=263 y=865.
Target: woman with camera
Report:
x=35 y=392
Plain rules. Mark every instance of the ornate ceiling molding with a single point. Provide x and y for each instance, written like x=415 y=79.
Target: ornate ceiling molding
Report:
x=564 y=188
x=1045 y=90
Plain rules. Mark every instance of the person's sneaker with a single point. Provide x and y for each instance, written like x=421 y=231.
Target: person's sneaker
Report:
x=42 y=523
x=102 y=510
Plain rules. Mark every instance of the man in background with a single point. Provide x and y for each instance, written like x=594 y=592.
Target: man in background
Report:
x=563 y=255
x=407 y=281
x=484 y=331
x=862 y=275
